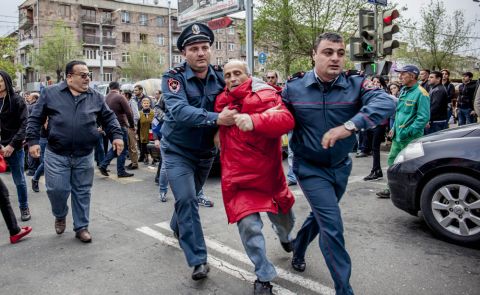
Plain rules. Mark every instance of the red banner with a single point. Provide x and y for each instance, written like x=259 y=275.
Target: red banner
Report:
x=219 y=23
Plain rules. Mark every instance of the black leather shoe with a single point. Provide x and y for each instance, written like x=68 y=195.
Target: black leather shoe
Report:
x=200 y=271
x=299 y=264
x=288 y=247
x=35 y=187
x=103 y=171
x=262 y=288
x=131 y=167
x=125 y=174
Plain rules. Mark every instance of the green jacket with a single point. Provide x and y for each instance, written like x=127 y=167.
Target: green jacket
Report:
x=413 y=113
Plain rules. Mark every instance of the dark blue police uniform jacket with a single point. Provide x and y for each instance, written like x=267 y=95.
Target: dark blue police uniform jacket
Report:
x=190 y=123
x=318 y=108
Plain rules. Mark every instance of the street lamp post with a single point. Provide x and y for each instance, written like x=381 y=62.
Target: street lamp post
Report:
x=169 y=37
x=101 y=49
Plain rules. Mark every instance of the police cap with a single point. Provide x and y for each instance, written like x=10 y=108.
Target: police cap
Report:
x=195 y=33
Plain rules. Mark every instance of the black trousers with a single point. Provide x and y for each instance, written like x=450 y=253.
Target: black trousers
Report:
x=377 y=139
x=7 y=210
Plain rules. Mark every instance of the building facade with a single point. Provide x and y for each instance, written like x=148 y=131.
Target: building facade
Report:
x=117 y=27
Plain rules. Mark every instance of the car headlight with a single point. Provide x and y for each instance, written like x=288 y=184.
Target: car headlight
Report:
x=411 y=151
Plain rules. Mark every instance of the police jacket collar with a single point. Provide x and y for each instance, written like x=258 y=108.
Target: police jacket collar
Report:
x=189 y=74
x=310 y=78
x=63 y=85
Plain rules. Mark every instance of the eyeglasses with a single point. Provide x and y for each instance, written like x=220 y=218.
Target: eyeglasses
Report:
x=82 y=75
x=270 y=77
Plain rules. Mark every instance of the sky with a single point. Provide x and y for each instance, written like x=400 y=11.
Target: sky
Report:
x=471 y=10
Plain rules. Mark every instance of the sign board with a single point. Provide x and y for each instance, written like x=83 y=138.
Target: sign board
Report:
x=219 y=23
x=190 y=11
x=379 y=2
x=262 y=58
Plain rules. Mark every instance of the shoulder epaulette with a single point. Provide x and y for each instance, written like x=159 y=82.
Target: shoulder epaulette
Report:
x=176 y=70
x=297 y=75
x=218 y=68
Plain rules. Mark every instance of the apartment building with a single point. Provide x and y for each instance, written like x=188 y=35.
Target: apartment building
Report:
x=117 y=26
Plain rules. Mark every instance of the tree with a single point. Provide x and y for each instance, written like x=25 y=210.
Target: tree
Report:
x=438 y=37
x=144 y=62
x=8 y=48
x=291 y=27
x=57 y=49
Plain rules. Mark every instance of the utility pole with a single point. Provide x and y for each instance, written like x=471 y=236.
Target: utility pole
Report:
x=249 y=33
x=101 y=49
x=169 y=37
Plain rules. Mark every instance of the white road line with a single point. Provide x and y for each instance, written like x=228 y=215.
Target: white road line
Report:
x=242 y=257
x=214 y=261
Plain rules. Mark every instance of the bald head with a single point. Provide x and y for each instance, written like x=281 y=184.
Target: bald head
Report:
x=235 y=73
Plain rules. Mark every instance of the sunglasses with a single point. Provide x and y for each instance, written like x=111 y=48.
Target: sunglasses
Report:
x=82 y=75
x=271 y=77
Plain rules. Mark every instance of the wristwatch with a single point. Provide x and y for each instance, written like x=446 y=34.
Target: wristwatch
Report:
x=350 y=126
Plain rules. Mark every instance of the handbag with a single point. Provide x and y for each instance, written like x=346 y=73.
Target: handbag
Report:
x=3 y=164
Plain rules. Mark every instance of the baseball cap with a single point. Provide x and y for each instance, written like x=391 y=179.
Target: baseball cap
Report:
x=410 y=69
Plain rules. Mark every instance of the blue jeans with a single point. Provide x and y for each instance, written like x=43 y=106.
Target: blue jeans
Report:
x=186 y=178
x=464 y=116
x=250 y=229
x=121 y=158
x=16 y=163
x=39 y=172
x=323 y=188
x=436 y=126
x=290 y=175
x=65 y=175
x=162 y=178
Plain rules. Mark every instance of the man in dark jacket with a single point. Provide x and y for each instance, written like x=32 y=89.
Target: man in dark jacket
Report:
x=466 y=92
x=438 y=104
x=72 y=109
x=13 y=121
x=119 y=105
x=328 y=107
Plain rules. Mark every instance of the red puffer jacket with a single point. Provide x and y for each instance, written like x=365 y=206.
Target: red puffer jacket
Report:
x=252 y=172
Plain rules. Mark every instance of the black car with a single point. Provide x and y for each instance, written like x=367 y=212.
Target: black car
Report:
x=439 y=175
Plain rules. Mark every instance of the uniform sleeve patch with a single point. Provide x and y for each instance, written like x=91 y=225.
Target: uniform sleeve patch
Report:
x=173 y=85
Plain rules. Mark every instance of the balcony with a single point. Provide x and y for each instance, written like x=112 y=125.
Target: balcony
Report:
x=93 y=20
x=25 y=22
x=25 y=40
x=95 y=41
x=95 y=63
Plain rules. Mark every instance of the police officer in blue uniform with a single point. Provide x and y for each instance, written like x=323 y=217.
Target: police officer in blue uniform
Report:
x=187 y=137
x=328 y=107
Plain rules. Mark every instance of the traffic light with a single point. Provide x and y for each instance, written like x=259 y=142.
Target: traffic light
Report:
x=386 y=28
x=363 y=46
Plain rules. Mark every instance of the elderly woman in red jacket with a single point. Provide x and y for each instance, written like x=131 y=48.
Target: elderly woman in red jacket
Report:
x=253 y=180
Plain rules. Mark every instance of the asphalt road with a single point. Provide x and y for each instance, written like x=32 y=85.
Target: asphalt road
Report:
x=133 y=252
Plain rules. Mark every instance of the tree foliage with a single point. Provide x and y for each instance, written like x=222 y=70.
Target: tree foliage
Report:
x=8 y=47
x=146 y=61
x=289 y=28
x=58 y=47
x=438 y=37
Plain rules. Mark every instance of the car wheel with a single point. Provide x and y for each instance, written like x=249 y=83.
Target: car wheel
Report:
x=450 y=204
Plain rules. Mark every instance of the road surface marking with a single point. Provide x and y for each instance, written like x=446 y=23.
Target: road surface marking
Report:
x=216 y=262
x=242 y=257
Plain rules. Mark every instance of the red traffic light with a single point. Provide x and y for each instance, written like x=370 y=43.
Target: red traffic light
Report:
x=390 y=15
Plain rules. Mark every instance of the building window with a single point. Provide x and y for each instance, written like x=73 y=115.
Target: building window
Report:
x=219 y=61
x=174 y=40
x=107 y=77
x=126 y=37
x=218 y=45
x=161 y=40
x=160 y=21
x=143 y=20
x=231 y=46
x=143 y=38
x=177 y=59
x=231 y=30
x=125 y=17
x=90 y=54
x=125 y=57
x=90 y=73
x=107 y=55
x=64 y=10
x=89 y=15
x=161 y=60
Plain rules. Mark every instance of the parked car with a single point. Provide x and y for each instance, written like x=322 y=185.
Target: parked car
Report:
x=439 y=175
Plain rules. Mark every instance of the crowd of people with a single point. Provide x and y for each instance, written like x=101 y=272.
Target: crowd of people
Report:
x=202 y=109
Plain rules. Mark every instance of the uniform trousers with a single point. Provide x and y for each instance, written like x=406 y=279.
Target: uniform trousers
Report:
x=186 y=177
x=324 y=187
